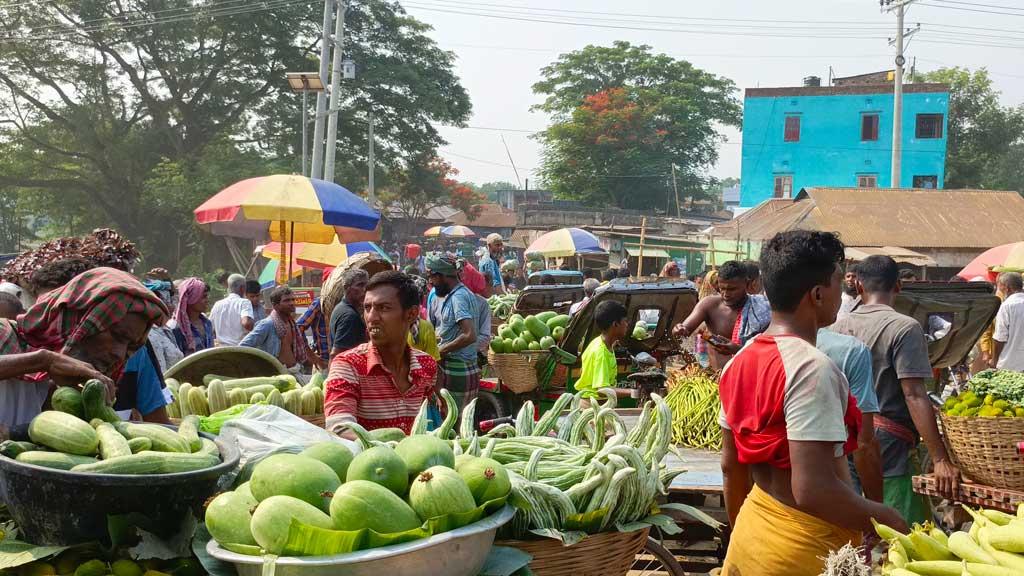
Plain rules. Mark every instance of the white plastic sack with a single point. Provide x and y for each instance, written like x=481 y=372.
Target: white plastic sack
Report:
x=263 y=430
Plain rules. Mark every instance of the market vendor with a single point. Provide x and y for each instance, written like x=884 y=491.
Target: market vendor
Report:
x=788 y=418
x=382 y=383
x=192 y=329
x=456 y=323
x=732 y=317
x=85 y=329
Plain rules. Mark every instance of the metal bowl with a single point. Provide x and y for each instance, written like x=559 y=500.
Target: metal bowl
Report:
x=460 y=552
x=61 y=508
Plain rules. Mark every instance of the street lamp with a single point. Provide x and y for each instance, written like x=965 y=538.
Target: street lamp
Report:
x=304 y=82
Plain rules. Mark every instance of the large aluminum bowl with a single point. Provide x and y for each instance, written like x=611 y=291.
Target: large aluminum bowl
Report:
x=460 y=552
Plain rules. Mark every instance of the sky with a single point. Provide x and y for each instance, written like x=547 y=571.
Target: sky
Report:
x=501 y=46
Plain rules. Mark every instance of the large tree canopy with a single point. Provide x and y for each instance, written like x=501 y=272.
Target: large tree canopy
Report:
x=622 y=116
x=130 y=112
x=985 y=140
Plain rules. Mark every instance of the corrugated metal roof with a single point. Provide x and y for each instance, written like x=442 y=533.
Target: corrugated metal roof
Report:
x=910 y=218
x=902 y=255
x=491 y=216
x=916 y=218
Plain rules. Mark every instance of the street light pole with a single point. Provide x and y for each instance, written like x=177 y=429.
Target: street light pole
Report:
x=305 y=138
x=305 y=82
x=899 y=6
x=321 y=97
x=332 y=119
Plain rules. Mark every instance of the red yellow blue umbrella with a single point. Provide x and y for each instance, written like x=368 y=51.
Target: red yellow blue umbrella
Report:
x=323 y=255
x=433 y=231
x=289 y=208
x=566 y=242
x=458 y=232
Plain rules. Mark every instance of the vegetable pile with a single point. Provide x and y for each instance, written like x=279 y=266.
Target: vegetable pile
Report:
x=80 y=562
x=535 y=332
x=501 y=305
x=567 y=476
x=220 y=393
x=81 y=427
x=325 y=500
x=993 y=547
x=693 y=396
x=989 y=394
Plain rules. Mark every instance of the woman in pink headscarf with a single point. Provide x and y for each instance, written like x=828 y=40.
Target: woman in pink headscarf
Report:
x=193 y=331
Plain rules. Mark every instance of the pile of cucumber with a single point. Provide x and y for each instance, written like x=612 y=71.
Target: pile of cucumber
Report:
x=221 y=392
x=82 y=434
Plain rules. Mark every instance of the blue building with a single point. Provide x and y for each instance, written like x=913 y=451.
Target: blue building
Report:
x=840 y=136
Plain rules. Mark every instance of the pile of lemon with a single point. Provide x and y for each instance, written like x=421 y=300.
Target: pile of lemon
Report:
x=969 y=404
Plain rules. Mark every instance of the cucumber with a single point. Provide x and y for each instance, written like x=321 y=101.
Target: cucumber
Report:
x=139 y=444
x=58 y=460
x=112 y=444
x=64 y=433
x=279 y=382
x=217 y=396
x=238 y=396
x=308 y=401
x=274 y=398
x=163 y=439
x=211 y=377
x=183 y=392
x=197 y=403
x=68 y=400
x=12 y=448
x=148 y=462
x=208 y=447
x=189 y=432
x=94 y=402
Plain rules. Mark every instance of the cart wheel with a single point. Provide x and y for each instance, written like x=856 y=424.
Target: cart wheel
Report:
x=488 y=407
x=655 y=560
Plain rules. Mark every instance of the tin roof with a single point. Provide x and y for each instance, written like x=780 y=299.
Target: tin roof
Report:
x=906 y=217
x=841 y=90
x=491 y=216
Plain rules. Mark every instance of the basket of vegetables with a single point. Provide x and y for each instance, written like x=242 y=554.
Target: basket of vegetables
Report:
x=82 y=465
x=405 y=505
x=519 y=350
x=983 y=425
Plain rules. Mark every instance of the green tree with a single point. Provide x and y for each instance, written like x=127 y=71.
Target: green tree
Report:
x=622 y=116
x=425 y=183
x=981 y=132
x=129 y=113
x=491 y=189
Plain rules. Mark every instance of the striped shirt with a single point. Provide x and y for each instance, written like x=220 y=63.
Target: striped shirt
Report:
x=360 y=388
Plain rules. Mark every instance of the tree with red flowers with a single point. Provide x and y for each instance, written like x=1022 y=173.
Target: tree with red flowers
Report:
x=428 y=182
x=622 y=116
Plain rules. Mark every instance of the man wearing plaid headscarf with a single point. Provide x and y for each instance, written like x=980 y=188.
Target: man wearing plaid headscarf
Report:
x=85 y=329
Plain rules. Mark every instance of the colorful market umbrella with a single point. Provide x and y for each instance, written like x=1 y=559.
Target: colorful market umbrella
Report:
x=433 y=231
x=323 y=255
x=268 y=278
x=566 y=242
x=1005 y=258
x=319 y=210
x=458 y=232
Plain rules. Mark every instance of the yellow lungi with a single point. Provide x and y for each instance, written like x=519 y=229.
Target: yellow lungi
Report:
x=772 y=539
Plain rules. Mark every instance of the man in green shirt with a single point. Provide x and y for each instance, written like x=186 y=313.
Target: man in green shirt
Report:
x=599 y=366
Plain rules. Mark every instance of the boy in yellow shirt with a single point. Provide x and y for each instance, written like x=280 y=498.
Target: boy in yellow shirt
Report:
x=599 y=367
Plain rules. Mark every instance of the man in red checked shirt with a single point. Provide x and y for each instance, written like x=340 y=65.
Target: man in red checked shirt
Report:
x=381 y=384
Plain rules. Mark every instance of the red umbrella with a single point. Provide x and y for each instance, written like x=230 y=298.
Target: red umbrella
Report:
x=1005 y=258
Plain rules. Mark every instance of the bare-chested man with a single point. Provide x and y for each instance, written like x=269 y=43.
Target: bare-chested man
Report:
x=731 y=317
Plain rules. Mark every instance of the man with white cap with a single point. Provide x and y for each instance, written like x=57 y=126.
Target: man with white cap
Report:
x=491 y=262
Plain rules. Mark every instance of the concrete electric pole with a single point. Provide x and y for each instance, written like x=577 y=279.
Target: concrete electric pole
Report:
x=321 y=98
x=899 y=7
x=335 y=102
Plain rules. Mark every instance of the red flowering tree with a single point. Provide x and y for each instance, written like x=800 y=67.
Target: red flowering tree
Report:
x=427 y=183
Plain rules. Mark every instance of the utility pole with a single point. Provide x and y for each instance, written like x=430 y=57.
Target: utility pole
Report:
x=675 y=188
x=369 y=161
x=321 y=97
x=898 y=6
x=335 y=103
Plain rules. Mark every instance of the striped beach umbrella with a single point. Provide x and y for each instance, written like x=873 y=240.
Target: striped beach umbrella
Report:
x=433 y=231
x=458 y=232
x=566 y=242
x=323 y=255
x=1005 y=258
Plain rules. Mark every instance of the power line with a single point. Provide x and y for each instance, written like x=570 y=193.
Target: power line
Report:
x=677 y=54
x=1001 y=7
x=979 y=10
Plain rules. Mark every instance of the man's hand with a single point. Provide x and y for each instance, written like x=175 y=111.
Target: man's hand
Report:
x=680 y=331
x=947 y=477
x=725 y=348
x=68 y=367
x=893 y=519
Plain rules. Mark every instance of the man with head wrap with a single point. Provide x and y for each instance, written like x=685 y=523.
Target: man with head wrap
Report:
x=83 y=330
x=456 y=321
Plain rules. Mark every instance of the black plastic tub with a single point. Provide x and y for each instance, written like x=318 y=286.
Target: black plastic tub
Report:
x=60 y=508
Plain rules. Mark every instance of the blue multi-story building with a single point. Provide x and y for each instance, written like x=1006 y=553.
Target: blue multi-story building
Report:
x=839 y=136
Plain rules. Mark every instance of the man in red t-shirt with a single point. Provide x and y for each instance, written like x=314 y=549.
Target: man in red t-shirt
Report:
x=381 y=384
x=788 y=420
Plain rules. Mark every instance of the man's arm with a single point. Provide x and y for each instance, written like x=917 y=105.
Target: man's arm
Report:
x=466 y=337
x=697 y=317
x=341 y=399
x=867 y=459
x=947 y=476
x=997 y=349
x=257 y=337
x=819 y=491
x=59 y=365
x=736 y=477
x=158 y=416
x=248 y=315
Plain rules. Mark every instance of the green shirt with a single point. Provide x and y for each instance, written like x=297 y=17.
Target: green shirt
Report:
x=599 y=368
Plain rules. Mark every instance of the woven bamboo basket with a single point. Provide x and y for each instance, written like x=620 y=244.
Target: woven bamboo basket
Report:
x=985 y=449
x=604 y=554
x=518 y=370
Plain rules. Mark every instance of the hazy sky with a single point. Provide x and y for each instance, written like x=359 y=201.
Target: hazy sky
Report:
x=501 y=46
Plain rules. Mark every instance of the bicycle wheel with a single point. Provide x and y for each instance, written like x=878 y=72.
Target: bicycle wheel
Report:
x=655 y=560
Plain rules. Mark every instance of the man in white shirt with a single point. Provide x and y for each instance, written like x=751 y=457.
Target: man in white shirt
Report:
x=233 y=317
x=1009 y=333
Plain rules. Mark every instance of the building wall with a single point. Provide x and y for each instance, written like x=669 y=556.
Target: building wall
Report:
x=830 y=151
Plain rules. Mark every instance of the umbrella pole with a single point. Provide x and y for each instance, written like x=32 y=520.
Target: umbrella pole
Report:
x=291 y=252
x=281 y=271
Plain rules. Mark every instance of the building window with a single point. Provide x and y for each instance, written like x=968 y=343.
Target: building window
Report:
x=792 y=132
x=869 y=127
x=928 y=126
x=867 y=180
x=931 y=182
x=783 y=186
